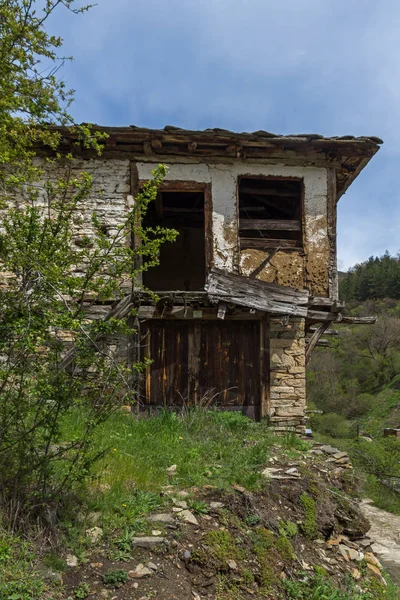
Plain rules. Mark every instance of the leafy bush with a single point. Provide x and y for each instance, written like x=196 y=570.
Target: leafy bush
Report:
x=115 y=577
x=332 y=424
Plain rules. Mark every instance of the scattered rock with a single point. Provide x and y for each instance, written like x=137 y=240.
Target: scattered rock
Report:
x=186 y=555
x=180 y=503
x=329 y=449
x=293 y=471
x=147 y=542
x=350 y=544
x=374 y=569
x=341 y=455
x=176 y=509
x=139 y=572
x=93 y=517
x=161 y=518
x=152 y=566
x=195 y=595
x=188 y=517
x=94 y=534
x=274 y=473
x=71 y=560
x=349 y=553
x=156 y=532
x=342 y=461
x=371 y=558
x=365 y=543
x=356 y=574
x=216 y=505
x=183 y=494
x=232 y=565
x=172 y=470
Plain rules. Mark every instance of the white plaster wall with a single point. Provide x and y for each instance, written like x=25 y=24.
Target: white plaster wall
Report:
x=223 y=179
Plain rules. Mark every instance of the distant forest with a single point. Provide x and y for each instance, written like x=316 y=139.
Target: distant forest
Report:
x=378 y=277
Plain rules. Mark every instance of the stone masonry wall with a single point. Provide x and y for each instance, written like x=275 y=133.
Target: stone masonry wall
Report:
x=288 y=374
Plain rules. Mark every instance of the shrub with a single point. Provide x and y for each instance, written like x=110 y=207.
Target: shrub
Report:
x=332 y=424
x=115 y=577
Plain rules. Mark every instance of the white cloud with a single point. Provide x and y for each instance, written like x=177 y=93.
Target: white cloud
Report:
x=281 y=65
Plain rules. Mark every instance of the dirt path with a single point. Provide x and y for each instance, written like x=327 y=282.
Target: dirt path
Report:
x=385 y=531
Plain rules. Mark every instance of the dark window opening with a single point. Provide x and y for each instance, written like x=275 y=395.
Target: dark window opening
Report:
x=182 y=263
x=270 y=213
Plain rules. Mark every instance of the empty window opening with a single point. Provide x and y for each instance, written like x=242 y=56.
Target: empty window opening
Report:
x=270 y=213
x=182 y=263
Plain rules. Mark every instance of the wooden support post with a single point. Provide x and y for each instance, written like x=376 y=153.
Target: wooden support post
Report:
x=135 y=357
x=315 y=338
x=265 y=368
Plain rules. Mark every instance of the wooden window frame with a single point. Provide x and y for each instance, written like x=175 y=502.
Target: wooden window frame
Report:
x=180 y=186
x=271 y=224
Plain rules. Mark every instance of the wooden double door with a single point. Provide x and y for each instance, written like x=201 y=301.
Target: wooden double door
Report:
x=206 y=362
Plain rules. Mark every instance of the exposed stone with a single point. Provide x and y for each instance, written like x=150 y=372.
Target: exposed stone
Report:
x=94 y=534
x=139 y=572
x=371 y=558
x=180 y=503
x=188 y=517
x=329 y=449
x=216 y=505
x=341 y=455
x=71 y=560
x=161 y=518
x=232 y=565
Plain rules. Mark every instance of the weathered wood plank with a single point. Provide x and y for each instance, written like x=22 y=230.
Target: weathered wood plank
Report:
x=265 y=243
x=269 y=192
x=359 y=320
x=244 y=285
x=257 y=294
x=270 y=224
x=329 y=302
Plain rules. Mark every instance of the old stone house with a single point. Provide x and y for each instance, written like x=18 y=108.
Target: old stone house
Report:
x=251 y=282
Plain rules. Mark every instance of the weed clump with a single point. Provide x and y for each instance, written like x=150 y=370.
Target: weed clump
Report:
x=309 y=525
x=115 y=577
x=285 y=548
x=223 y=547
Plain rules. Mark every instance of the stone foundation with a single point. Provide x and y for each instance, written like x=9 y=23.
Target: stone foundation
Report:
x=288 y=375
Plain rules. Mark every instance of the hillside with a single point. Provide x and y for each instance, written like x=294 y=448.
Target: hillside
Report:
x=355 y=382
x=204 y=505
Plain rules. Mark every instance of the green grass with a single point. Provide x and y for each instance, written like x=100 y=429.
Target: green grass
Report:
x=18 y=580
x=208 y=447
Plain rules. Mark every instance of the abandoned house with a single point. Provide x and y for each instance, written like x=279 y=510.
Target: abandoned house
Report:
x=251 y=283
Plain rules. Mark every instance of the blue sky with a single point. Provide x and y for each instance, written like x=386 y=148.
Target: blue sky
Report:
x=288 y=66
